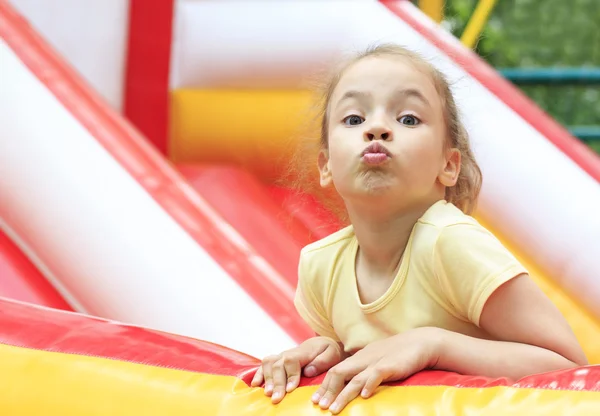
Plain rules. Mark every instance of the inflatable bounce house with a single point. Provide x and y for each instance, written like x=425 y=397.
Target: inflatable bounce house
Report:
x=148 y=253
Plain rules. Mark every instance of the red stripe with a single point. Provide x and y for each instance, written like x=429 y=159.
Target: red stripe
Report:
x=581 y=379
x=52 y=330
x=32 y=327
x=153 y=173
x=307 y=210
x=253 y=212
x=21 y=280
x=147 y=69
x=588 y=160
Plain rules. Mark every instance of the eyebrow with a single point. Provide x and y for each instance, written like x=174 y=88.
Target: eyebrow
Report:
x=359 y=95
x=412 y=92
x=403 y=93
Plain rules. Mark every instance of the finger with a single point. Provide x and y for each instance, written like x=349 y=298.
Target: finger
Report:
x=321 y=390
x=349 y=393
x=335 y=384
x=268 y=376
x=324 y=361
x=377 y=376
x=371 y=385
x=337 y=375
x=258 y=378
x=292 y=369
x=279 y=380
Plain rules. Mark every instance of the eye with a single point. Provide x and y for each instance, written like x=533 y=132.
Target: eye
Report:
x=353 y=120
x=409 y=120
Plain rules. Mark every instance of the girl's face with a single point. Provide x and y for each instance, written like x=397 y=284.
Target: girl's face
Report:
x=387 y=134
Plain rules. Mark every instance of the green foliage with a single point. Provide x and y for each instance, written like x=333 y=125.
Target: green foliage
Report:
x=542 y=33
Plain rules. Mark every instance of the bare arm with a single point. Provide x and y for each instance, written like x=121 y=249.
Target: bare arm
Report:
x=531 y=337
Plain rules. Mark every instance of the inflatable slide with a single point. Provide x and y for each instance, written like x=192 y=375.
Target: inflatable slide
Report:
x=204 y=243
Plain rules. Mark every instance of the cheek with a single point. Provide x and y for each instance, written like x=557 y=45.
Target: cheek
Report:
x=338 y=164
x=424 y=159
x=339 y=153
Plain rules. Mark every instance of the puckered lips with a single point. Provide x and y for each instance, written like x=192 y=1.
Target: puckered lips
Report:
x=375 y=154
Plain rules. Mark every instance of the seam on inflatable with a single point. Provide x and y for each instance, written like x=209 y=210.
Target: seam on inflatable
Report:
x=42 y=268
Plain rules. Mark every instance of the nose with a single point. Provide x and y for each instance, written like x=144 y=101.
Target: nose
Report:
x=378 y=131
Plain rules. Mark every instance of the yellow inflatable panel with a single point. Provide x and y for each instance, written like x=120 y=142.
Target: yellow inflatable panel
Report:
x=60 y=363
x=36 y=383
x=256 y=129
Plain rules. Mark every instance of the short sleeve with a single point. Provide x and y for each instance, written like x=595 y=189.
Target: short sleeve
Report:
x=309 y=303
x=471 y=263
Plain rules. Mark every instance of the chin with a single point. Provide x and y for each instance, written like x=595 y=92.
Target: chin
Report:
x=369 y=183
x=377 y=183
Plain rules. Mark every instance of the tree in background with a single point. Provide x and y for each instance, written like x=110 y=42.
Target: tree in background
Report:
x=542 y=33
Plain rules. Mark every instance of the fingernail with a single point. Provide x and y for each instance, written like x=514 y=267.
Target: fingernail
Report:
x=289 y=387
x=315 y=397
x=364 y=394
x=335 y=407
x=268 y=388
x=276 y=395
x=324 y=402
x=310 y=371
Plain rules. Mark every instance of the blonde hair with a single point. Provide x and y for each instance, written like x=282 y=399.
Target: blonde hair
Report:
x=465 y=192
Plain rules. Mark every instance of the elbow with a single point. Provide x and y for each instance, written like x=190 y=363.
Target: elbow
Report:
x=577 y=357
x=581 y=362
x=573 y=360
x=546 y=360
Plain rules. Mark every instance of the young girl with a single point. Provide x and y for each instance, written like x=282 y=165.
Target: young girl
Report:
x=415 y=282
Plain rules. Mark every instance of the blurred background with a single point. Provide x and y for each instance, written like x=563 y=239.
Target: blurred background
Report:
x=550 y=49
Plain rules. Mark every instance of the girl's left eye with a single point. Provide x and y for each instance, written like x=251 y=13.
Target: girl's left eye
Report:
x=409 y=120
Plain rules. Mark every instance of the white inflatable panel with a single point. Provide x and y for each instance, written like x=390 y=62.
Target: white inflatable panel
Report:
x=117 y=253
x=532 y=191
x=91 y=35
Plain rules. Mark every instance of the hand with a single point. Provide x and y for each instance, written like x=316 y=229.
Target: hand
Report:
x=391 y=359
x=281 y=373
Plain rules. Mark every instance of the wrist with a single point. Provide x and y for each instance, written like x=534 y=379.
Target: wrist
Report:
x=338 y=346
x=435 y=340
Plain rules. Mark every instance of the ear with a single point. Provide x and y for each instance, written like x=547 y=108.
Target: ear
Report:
x=450 y=171
x=324 y=169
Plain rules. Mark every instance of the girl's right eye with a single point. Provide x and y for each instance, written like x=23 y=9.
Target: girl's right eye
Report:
x=353 y=120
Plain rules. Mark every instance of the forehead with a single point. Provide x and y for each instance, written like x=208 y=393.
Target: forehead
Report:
x=381 y=74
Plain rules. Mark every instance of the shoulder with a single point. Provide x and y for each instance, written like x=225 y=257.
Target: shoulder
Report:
x=318 y=259
x=448 y=224
x=469 y=262
x=324 y=247
x=444 y=214
x=441 y=224
x=465 y=249
x=316 y=271
x=454 y=235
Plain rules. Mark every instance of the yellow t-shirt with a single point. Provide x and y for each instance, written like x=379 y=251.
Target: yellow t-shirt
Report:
x=450 y=267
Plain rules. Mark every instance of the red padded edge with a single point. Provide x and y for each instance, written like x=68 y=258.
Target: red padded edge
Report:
x=243 y=202
x=21 y=280
x=33 y=327
x=39 y=328
x=307 y=210
x=153 y=173
x=581 y=154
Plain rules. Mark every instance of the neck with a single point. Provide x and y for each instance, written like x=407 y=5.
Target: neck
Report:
x=383 y=234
